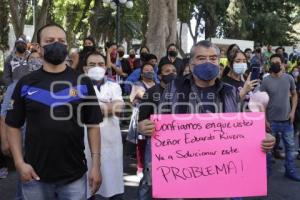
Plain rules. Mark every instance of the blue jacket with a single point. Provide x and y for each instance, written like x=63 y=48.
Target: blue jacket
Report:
x=135 y=76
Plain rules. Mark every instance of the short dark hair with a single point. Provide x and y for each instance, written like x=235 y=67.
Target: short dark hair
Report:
x=144 y=65
x=258 y=50
x=171 y=45
x=109 y=44
x=277 y=56
x=161 y=66
x=206 y=44
x=150 y=57
x=278 y=48
x=248 y=49
x=93 y=53
x=38 y=35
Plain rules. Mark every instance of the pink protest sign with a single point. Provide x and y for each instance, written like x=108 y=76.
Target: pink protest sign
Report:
x=209 y=156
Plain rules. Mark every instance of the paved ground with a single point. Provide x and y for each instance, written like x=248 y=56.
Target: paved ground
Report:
x=279 y=188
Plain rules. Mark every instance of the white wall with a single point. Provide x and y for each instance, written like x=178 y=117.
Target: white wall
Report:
x=243 y=44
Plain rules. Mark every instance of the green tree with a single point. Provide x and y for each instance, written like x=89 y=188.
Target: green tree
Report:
x=42 y=16
x=73 y=15
x=235 y=25
x=209 y=15
x=105 y=22
x=18 y=11
x=90 y=17
x=264 y=21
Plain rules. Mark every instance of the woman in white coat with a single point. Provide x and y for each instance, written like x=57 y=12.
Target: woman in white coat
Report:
x=109 y=95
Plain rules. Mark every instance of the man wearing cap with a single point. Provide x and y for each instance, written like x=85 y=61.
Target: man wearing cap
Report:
x=15 y=65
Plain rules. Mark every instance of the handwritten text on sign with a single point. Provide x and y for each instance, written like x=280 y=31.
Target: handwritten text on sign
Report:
x=203 y=157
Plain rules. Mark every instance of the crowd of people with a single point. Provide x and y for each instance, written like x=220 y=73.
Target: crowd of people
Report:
x=60 y=114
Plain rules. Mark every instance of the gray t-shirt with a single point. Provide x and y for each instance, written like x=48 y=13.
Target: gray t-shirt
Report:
x=14 y=69
x=278 y=89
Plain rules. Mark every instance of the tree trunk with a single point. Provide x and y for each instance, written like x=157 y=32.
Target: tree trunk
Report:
x=18 y=11
x=210 y=28
x=41 y=18
x=162 y=25
x=95 y=29
x=4 y=27
x=144 y=26
x=70 y=24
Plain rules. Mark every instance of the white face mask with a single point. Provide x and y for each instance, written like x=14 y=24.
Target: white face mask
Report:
x=296 y=74
x=239 y=68
x=96 y=73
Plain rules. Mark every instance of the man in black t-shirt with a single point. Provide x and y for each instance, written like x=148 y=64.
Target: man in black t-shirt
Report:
x=55 y=102
x=149 y=105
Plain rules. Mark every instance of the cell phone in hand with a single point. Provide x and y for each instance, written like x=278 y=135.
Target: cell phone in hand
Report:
x=255 y=72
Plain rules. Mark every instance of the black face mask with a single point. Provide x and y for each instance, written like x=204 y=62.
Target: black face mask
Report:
x=121 y=53
x=132 y=56
x=21 y=48
x=168 y=78
x=55 y=53
x=172 y=53
x=144 y=56
x=89 y=48
x=275 y=67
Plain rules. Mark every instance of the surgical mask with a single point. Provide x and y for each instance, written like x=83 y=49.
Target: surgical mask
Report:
x=275 y=67
x=96 y=73
x=239 y=68
x=34 y=64
x=55 y=53
x=172 y=53
x=132 y=56
x=296 y=74
x=148 y=75
x=168 y=78
x=206 y=71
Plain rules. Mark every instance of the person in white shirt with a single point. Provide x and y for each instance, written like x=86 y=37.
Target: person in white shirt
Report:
x=109 y=95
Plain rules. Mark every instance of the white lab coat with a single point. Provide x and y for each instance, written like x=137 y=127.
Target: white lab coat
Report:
x=111 y=145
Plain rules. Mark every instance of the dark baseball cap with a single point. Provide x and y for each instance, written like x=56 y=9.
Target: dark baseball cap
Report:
x=20 y=40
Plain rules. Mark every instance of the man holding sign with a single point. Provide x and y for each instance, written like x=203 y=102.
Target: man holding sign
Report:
x=202 y=92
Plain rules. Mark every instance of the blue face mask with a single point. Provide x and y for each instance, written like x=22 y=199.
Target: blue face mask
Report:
x=206 y=71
